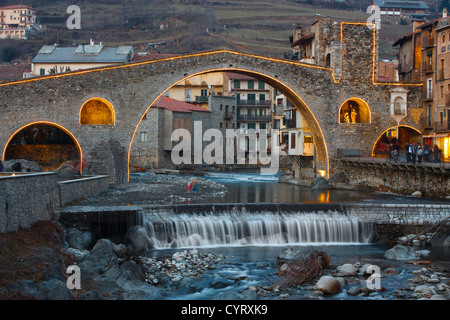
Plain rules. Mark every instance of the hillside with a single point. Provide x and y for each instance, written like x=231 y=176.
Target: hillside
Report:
x=183 y=26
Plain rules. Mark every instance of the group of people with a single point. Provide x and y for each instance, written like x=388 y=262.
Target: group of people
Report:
x=416 y=153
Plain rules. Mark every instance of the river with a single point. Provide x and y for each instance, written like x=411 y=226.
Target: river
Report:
x=244 y=257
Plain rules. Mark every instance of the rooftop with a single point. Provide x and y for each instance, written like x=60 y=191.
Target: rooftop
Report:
x=92 y=53
x=402 y=4
x=13 y=72
x=176 y=105
x=17 y=6
x=238 y=76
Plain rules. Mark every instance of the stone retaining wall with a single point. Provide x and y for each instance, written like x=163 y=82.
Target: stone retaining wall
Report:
x=81 y=188
x=27 y=198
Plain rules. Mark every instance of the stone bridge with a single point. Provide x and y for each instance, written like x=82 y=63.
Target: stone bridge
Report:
x=130 y=90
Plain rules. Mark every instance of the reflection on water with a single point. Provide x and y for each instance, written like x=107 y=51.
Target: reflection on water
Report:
x=273 y=192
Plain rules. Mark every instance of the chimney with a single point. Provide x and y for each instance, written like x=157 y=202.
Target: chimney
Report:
x=444 y=13
x=417 y=23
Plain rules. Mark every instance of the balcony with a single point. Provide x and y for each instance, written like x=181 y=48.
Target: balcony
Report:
x=427 y=95
x=427 y=67
x=202 y=99
x=427 y=42
x=253 y=117
x=228 y=116
x=291 y=123
x=254 y=103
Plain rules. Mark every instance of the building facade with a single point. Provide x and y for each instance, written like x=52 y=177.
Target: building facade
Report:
x=424 y=57
x=52 y=59
x=17 y=22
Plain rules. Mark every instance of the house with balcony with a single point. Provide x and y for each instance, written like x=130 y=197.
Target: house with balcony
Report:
x=18 y=22
x=424 y=57
x=197 y=89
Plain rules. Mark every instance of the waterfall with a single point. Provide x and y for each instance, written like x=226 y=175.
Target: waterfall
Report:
x=246 y=229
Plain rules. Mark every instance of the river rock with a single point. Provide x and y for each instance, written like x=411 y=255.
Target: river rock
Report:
x=138 y=239
x=100 y=263
x=319 y=183
x=401 y=252
x=417 y=194
x=354 y=291
x=77 y=239
x=288 y=254
x=219 y=284
x=347 y=269
x=328 y=284
x=425 y=291
x=25 y=166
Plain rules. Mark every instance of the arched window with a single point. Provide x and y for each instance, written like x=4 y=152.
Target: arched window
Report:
x=97 y=111
x=354 y=110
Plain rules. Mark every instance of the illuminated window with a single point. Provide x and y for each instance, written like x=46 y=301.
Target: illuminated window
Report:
x=354 y=111
x=97 y=111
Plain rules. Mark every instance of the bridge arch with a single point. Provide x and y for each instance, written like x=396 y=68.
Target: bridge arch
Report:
x=400 y=134
x=322 y=157
x=33 y=125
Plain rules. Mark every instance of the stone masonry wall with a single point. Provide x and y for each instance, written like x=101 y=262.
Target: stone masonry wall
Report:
x=25 y=199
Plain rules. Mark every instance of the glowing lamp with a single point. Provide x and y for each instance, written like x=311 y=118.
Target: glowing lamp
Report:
x=322 y=173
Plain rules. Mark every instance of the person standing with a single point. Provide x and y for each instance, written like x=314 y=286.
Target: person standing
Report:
x=419 y=153
x=408 y=157
x=436 y=154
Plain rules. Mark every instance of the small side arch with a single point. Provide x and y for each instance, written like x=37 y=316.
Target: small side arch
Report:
x=355 y=110
x=97 y=111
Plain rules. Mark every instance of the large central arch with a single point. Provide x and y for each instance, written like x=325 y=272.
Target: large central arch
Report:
x=322 y=157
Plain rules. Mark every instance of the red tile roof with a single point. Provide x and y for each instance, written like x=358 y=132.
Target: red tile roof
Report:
x=176 y=106
x=17 y=6
x=12 y=72
x=238 y=76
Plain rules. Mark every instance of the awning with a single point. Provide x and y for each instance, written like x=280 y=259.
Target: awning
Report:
x=440 y=135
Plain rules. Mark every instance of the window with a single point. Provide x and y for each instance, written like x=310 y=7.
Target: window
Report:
x=429 y=88
x=442 y=91
x=293 y=140
x=187 y=95
x=237 y=84
x=262 y=126
x=307 y=139
x=261 y=85
x=204 y=93
x=251 y=126
x=262 y=97
x=143 y=136
x=251 y=84
x=42 y=72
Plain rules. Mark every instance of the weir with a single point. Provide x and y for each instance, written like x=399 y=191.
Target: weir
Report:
x=266 y=228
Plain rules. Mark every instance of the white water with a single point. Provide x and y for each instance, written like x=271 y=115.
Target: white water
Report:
x=245 y=229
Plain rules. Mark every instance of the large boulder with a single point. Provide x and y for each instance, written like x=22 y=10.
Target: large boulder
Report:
x=21 y=165
x=77 y=239
x=138 y=240
x=347 y=269
x=328 y=285
x=101 y=263
x=67 y=172
x=401 y=252
x=319 y=183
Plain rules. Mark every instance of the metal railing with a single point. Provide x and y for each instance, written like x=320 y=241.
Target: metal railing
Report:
x=254 y=103
x=252 y=117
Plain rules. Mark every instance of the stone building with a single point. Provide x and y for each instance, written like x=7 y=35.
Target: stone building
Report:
x=423 y=57
x=254 y=101
x=153 y=146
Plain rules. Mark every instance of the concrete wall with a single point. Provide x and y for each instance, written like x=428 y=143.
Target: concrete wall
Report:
x=27 y=198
